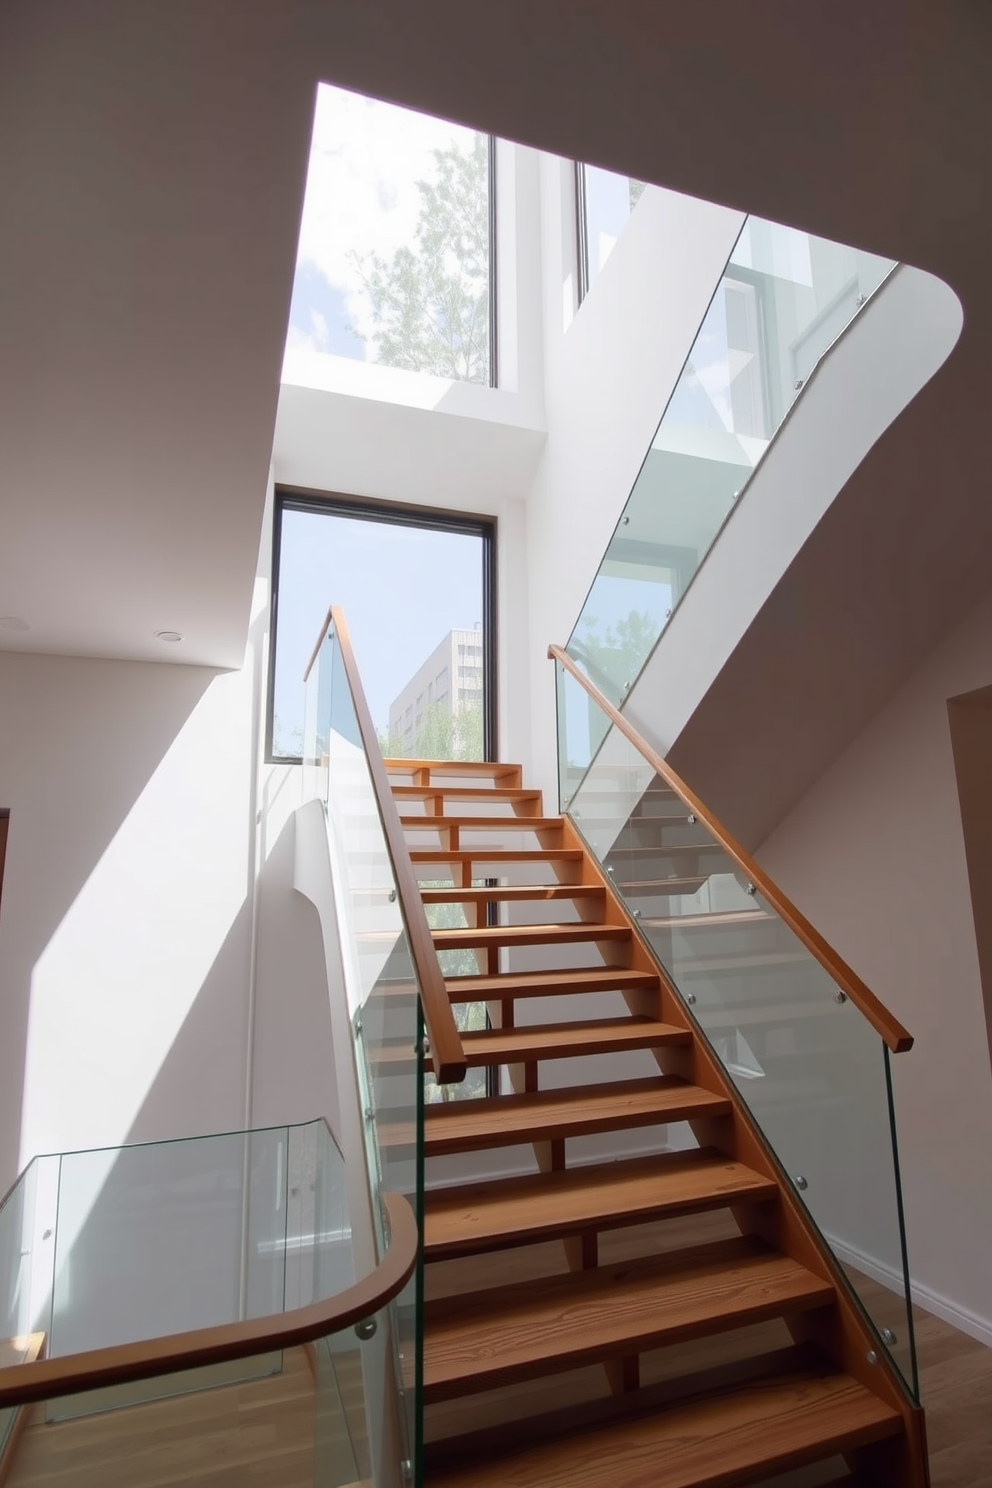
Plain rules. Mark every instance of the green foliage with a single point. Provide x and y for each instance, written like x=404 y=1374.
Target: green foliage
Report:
x=291 y=747
x=430 y=302
x=439 y=734
x=622 y=650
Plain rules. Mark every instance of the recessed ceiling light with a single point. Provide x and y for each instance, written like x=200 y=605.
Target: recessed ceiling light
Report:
x=13 y=622
x=169 y=635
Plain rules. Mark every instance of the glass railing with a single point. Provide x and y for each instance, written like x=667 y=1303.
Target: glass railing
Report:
x=784 y=298
x=805 y=1044
x=385 y=940
x=204 y=1267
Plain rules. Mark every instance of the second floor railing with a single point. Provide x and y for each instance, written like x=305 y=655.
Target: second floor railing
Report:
x=783 y=299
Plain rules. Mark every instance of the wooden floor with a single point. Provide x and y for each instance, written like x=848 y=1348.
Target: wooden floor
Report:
x=258 y=1433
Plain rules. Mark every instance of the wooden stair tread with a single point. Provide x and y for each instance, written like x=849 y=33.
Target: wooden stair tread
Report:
x=466 y=792
x=706 y=1430
x=464 y=937
x=510 y=893
x=735 y=1437
x=520 y=1331
x=24 y=1348
x=483 y=823
x=562 y=1040
x=547 y=983
x=496 y=855
x=495 y=768
x=726 y=919
x=543 y=1115
x=514 y=1211
x=640 y=851
x=663 y=886
x=745 y=960
x=748 y=1015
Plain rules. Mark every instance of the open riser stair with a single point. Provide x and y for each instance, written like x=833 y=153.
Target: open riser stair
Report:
x=633 y=1296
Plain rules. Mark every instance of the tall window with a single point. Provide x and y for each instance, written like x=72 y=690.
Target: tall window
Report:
x=416 y=586
x=604 y=202
x=395 y=259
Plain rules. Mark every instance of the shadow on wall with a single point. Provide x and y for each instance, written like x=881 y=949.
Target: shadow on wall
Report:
x=293 y=1054
x=79 y=742
x=199 y=1086
x=184 y=1194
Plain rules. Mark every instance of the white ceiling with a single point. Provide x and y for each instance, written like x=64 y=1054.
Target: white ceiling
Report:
x=152 y=160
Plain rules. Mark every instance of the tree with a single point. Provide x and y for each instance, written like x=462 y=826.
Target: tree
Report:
x=430 y=302
x=621 y=652
x=292 y=747
x=439 y=734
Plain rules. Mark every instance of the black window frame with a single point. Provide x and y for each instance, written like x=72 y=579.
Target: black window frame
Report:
x=400 y=514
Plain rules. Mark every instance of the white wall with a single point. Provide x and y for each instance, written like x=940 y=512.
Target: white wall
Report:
x=140 y=857
x=874 y=855
x=123 y=939
x=391 y=435
x=608 y=376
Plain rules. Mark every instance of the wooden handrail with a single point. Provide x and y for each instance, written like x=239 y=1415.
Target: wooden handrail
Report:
x=22 y=1384
x=890 y=1029
x=447 y=1053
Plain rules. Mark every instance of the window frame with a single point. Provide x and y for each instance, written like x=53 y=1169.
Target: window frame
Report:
x=400 y=514
x=493 y=267
x=581 y=234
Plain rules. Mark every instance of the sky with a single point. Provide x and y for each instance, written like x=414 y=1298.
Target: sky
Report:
x=401 y=588
x=366 y=158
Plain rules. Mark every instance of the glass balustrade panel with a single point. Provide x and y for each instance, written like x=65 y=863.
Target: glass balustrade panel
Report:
x=784 y=298
x=383 y=995
x=278 y=1417
x=341 y=1433
x=15 y=1224
x=166 y=1237
x=809 y=1066
x=18 y=1343
x=116 y=1245
x=320 y=1258
x=317 y=721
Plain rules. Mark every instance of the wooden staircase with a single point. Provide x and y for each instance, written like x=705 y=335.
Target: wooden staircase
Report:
x=649 y=1303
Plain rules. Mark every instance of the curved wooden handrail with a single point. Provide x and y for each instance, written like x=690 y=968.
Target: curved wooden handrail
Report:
x=447 y=1053
x=22 y=1384
x=891 y=1030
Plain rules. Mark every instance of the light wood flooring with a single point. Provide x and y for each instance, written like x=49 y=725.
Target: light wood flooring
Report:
x=258 y=1433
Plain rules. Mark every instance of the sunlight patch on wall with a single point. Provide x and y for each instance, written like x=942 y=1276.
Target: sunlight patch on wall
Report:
x=124 y=968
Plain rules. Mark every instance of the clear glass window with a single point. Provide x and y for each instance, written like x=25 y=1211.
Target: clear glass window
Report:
x=604 y=204
x=394 y=258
